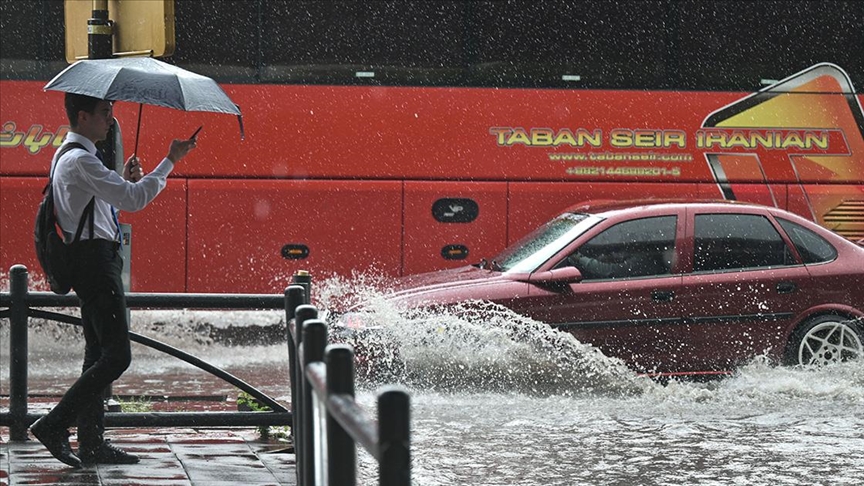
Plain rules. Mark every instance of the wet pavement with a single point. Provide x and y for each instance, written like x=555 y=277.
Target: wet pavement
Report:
x=175 y=457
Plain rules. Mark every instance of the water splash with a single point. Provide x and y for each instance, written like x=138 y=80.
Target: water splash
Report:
x=475 y=346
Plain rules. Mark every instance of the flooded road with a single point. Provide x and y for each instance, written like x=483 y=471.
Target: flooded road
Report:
x=765 y=426
x=491 y=407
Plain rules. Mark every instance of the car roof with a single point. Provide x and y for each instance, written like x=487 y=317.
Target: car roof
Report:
x=600 y=206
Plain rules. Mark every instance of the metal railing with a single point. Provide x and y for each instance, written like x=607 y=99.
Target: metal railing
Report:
x=328 y=422
x=19 y=304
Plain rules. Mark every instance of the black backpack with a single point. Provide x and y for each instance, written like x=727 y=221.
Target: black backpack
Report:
x=51 y=250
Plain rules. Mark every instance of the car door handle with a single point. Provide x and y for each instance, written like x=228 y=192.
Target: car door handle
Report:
x=662 y=296
x=786 y=287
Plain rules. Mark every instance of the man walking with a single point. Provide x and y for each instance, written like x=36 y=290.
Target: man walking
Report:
x=79 y=177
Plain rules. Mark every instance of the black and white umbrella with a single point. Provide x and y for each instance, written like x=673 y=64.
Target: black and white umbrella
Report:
x=145 y=80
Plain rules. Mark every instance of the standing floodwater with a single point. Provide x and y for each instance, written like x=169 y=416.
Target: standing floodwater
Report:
x=501 y=400
x=765 y=426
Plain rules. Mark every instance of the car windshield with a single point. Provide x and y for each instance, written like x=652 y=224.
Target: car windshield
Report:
x=534 y=249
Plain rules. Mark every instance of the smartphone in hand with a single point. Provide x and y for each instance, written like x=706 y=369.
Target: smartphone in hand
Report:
x=195 y=135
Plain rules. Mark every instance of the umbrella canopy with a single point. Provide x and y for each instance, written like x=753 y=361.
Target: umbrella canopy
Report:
x=143 y=80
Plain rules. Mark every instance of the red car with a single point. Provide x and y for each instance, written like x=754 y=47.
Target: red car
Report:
x=676 y=287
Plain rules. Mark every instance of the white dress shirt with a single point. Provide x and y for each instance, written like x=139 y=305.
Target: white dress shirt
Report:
x=79 y=175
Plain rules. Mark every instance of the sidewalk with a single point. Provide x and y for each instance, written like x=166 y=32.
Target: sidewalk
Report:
x=177 y=456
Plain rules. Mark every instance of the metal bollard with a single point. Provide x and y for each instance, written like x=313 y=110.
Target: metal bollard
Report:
x=303 y=313
x=340 y=381
x=302 y=277
x=394 y=437
x=295 y=296
x=18 y=282
x=314 y=342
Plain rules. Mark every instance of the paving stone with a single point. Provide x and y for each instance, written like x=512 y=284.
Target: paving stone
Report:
x=238 y=468
x=283 y=466
x=232 y=483
x=169 y=457
x=161 y=468
x=210 y=449
x=146 y=482
x=66 y=476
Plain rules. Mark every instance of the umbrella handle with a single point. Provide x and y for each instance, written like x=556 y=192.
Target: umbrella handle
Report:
x=138 y=129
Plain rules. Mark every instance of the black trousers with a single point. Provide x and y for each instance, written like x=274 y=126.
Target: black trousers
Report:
x=107 y=351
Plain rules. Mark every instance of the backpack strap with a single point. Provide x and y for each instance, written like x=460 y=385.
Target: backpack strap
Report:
x=88 y=212
x=60 y=152
x=90 y=209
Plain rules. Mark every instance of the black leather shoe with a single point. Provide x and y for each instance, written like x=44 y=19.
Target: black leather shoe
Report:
x=56 y=441
x=106 y=453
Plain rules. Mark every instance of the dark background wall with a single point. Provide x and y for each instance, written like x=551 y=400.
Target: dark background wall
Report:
x=645 y=44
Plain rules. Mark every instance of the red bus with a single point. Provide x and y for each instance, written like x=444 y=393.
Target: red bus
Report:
x=360 y=157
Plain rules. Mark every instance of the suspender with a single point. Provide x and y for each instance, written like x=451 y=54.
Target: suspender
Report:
x=91 y=206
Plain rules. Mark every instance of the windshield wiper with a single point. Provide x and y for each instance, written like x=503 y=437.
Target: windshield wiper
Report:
x=492 y=266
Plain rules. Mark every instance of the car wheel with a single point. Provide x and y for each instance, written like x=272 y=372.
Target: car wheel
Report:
x=824 y=340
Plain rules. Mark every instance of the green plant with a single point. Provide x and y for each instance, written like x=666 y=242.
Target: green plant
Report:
x=281 y=432
x=135 y=405
x=246 y=402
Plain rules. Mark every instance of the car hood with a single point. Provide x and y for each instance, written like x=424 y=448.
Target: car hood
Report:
x=446 y=286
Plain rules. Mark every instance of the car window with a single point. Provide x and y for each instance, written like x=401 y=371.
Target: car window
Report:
x=737 y=241
x=535 y=248
x=812 y=247
x=638 y=248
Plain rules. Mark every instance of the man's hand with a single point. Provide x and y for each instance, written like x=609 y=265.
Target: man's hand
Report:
x=132 y=169
x=179 y=149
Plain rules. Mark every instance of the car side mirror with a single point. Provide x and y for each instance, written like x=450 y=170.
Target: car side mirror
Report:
x=563 y=275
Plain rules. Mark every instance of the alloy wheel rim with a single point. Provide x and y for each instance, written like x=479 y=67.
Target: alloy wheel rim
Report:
x=829 y=342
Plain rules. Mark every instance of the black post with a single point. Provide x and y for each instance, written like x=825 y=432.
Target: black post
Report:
x=302 y=277
x=295 y=296
x=18 y=282
x=342 y=450
x=100 y=32
x=314 y=342
x=394 y=437
x=302 y=314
